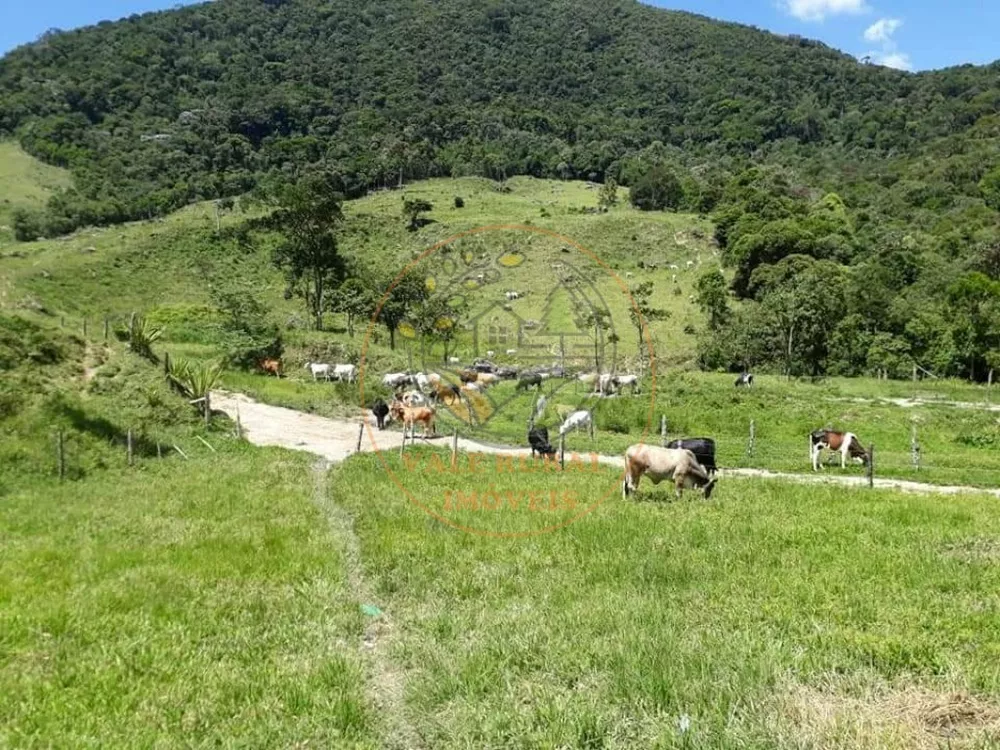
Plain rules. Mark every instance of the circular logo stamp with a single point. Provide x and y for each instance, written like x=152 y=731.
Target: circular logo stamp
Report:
x=514 y=337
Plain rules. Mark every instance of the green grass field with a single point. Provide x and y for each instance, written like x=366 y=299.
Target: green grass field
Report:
x=241 y=597
x=25 y=182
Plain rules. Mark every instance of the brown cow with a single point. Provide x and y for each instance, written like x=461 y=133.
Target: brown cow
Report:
x=272 y=366
x=410 y=415
x=468 y=376
x=844 y=443
x=664 y=463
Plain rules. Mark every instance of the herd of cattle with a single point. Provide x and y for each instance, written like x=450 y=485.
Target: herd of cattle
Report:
x=689 y=462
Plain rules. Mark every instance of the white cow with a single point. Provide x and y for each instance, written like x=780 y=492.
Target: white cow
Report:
x=414 y=398
x=318 y=370
x=345 y=373
x=421 y=381
x=513 y=295
x=396 y=379
x=454 y=360
x=575 y=421
x=511 y=352
x=627 y=381
x=664 y=463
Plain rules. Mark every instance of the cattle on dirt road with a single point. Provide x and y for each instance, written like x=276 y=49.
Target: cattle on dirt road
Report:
x=410 y=415
x=380 y=410
x=538 y=439
x=665 y=463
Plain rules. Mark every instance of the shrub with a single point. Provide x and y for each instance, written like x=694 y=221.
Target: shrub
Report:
x=459 y=202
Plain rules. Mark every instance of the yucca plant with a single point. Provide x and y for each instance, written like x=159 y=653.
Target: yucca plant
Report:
x=141 y=335
x=195 y=379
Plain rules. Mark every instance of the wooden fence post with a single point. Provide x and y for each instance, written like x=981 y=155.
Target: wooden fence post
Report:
x=106 y=326
x=592 y=429
x=208 y=409
x=239 y=424
x=454 y=449
x=128 y=446
x=989 y=386
x=751 y=443
x=85 y=328
x=361 y=435
x=402 y=445
x=914 y=448
x=871 y=465
x=663 y=430
x=61 y=455
x=562 y=450
x=166 y=363
x=159 y=450
x=914 y=373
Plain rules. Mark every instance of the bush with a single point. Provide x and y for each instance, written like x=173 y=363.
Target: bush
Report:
x=459 y=202
x=657 y=190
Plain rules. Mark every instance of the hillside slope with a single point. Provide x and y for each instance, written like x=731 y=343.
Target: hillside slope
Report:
x=162 y=109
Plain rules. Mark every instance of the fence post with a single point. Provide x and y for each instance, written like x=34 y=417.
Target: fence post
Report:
x=239 y=424
x=592 y=428
x=159 y=450
x=871 y=465
x=914 y=448
x=61 y=455
x=402 y=445
x=989 y=386
x=454 y=449
x=166 y=363
x=562 y=451
x=208 y=408
x=663 y=430
x=914 y=373
x=753 y=439
x=85 y=328
x=361 y=435
x=106 y=326
x=128 y=445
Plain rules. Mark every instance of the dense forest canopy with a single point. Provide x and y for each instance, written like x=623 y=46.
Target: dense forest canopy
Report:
x=834 y=184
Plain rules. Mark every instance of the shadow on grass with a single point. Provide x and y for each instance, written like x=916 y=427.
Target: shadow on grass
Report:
x=100 y=427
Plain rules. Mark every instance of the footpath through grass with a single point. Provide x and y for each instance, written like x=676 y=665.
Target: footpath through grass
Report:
x=197 y=603
x=773 y=616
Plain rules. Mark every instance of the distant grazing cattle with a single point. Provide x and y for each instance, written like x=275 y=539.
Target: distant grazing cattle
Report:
x=271 y=366
x=557 y=371
x=507 y=373
x=529 y=380
x=380 y=409
x=484 y=365
x=621 y=382
x=446 y=393
x=410 y=415
x=702 y=448
x=396 y=379
x=468 y=376
x=586 y=378
x=345 y=373
x=745 y=380
x=844 y=443
x=487 y=379
x=538 y=439
x=665 y=463
x=490 y=353
x=513 y=295
x=318 y=370
x=511 y=352
x=453 y=360
x=575 y=421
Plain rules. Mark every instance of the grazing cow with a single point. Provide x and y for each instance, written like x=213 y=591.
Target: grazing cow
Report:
x=557 y=371
x=484 y=365
x=345 y=373
x=421 y=381
x=665 y=463
x=487 y=379
x=702 y=448
x=538 y=439
x=413 y=398
x=529 y=380
x=318 y=370
x=587 y=378
x=446 y=393
x=844 y=443
x=410 y=415
x=380 y=409
x=626 y=381
x=490 y=353
x=575 y=421
x=745 y=380
x=473 y=387
x=396 y=379
x=272 y=366
x=453 y=360
x=468 y=376
x=511 y=352
x=513 y=295
x=507 y=373
x=433 y=378
x=605 y=383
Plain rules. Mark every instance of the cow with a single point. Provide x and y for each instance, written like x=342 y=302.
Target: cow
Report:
x=421 y=381
x=702 y=448
x=844 y=443
x=472 y=387
x=345 y=373
x=665 y=463
x=586 y=378
x=271 y=366
x=484 y=365
x=513 y=295
x=745 y=380
x=575 y=421
x=468 y=376
x=380 y=410
x=507 y=373
x=487 y=379
x=511 y=352
x=318 y=370
x=410 y=415
x=396 y=379
x=626 y=381
x=446 y=393
x=413 y=398
x=529 y=380
x=453 y=360
x=538 y=439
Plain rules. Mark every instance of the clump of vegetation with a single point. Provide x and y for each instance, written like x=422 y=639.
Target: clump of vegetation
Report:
x=194 y=379
x=412 y=210
x=141 y=334
x=459 y=202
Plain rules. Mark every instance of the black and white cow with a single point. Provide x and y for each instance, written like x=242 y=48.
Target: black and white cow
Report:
x=702 y=448
x=745 y=380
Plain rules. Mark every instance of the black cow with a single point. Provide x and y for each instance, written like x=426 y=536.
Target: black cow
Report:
x=529 y=380
x=744 y=380
x=484 y=365
x=538 y=439
x=507 y=373
x=702 y=448
x=381 y=410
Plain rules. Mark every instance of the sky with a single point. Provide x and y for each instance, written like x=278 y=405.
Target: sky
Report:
x=906 y=34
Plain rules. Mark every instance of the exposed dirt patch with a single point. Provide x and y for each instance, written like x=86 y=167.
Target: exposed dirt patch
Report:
x=978 y=549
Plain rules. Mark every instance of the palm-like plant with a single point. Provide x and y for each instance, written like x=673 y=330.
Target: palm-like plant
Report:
x=195 y=379
x=141 y=336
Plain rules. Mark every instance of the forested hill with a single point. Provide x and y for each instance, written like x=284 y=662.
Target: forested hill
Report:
x=161 y=109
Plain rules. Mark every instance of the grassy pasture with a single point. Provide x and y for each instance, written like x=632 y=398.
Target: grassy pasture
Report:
x=25 y=182
x=743 y=613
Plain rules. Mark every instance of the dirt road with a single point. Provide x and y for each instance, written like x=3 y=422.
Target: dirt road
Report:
x=336 y=439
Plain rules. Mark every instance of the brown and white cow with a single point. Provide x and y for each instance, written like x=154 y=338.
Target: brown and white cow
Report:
x=844 y=443
x=271 y=366
x=665 y=463
x=410 y=415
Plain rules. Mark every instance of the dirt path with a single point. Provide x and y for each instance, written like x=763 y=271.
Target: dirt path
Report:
x=910 y=403
x=385 y=682
x=335 y=440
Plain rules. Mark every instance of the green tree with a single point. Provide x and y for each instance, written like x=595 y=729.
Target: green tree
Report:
x=308 y=214
x=608 y=197
x=989 y=187
x=713 y=298
x=412 y=210
x=642 y=312
x=356 y=300
x=404 y=294
x=657 y=190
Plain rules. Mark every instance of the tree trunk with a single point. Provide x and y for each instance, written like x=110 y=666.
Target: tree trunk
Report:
x=318 y=299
